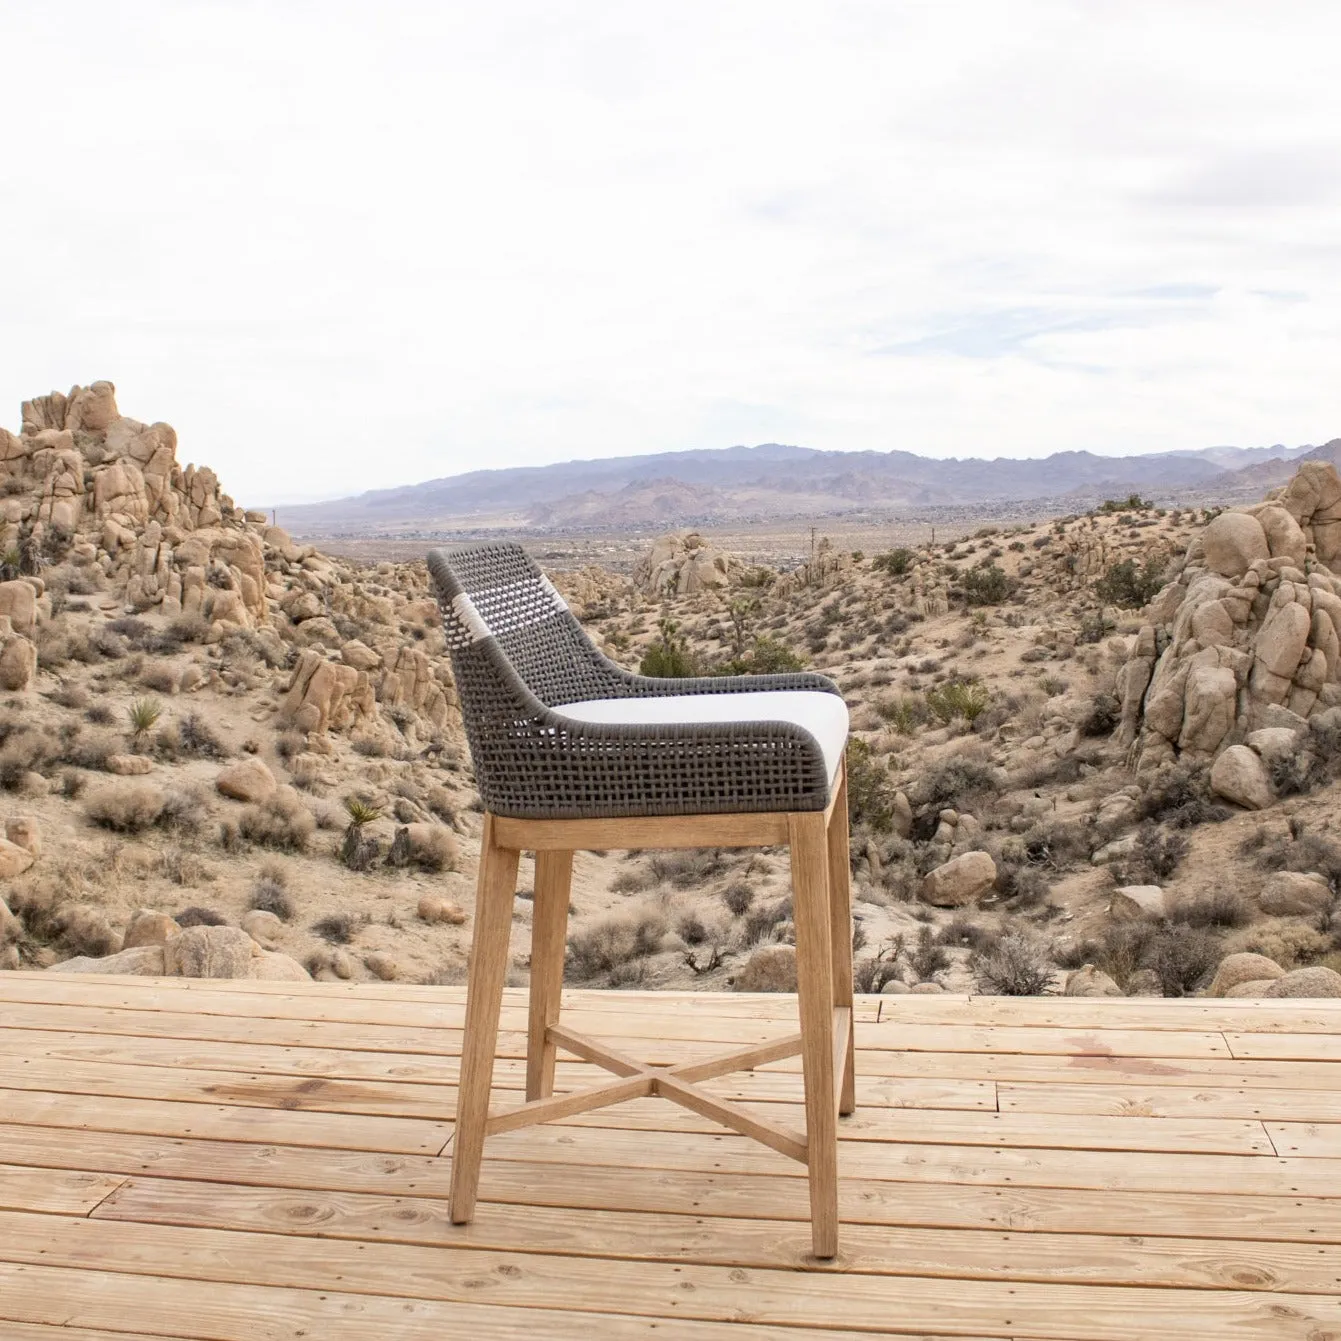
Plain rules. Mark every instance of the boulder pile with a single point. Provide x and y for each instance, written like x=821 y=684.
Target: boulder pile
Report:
x=1245 y=639
x=681 y=564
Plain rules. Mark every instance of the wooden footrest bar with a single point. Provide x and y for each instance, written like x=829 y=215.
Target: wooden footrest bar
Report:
x=679 y=1084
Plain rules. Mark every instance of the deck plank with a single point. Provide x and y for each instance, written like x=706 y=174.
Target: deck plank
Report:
x=871 y=1250
x=542 y=1295
x=278 y=1165
x=221 y=1161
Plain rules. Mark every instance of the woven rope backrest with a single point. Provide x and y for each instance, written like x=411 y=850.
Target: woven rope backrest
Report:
x=497 y=591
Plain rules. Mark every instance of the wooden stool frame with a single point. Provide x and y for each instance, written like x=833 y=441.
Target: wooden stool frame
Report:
x=822 y=913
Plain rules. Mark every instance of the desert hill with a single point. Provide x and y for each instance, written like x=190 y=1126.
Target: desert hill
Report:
x=766 y=482
x=1097 y=754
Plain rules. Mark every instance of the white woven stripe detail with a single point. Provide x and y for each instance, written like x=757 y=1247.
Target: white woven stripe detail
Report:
x=559 y=602
x=464 y=609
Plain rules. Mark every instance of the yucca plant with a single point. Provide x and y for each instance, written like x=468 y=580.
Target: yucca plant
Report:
x=357 y=851
x=144 y=714
x=361 y=812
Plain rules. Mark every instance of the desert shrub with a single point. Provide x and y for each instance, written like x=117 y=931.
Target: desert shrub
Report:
x=1156 y=856
x=126 y=807
x=738 y=897
x=91 y=752
x=871 y=974
x=897 y=562
x=1094 y=628
x=685 y=870
x=771 y=968
x=1314 y=763
x=1022 y=886
x=138 y=633
x=691 y=930
x=1132 y=503
x=768 y=656
x=633 y=881
x=1290 y=944
x=196 y=916
x=985 y=585
x=761 y=924
x=440 y=803
x=82 y=930
x=1129 y=586
x=669 y=657
x=870 y=795
x=905 y=713
x=27 y=750
x=268 y=897
x=70 y=696
x=183 y=867
x=281 y=822
x=1018 y=964
x=963 y=931
x=290 y=743
x=614 y=940
x=928 y=957
x=184 y=810
x=1181 y=796
x=197 y=737
x=1102 y=716
x=964 y=699
x=954 y=782
x=1214 y=908
x=160 y=676
x=184 y=629
x=337 y=928
x=1182 y=956
x=432 y=848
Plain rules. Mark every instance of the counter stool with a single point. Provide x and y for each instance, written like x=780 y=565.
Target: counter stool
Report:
x=573 y=753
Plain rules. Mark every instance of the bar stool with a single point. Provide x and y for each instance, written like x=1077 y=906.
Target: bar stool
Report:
x=573 y=753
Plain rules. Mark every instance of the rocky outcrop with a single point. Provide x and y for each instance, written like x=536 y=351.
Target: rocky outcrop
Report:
x=1290 y=894
x=960 y=880
x=681 y=564
x=1236 y=970
x=326 y=694
x=1251 y=623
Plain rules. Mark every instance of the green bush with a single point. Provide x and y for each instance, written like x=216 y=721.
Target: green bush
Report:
x=960 y=698
x=897 y=563
x=669 y=658
x=1132 y=503
x=1129 y=586
x=986 y=585
x=869 y=794
x=768 y=656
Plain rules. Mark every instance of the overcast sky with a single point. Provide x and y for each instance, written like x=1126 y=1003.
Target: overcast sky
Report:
x=346 y=246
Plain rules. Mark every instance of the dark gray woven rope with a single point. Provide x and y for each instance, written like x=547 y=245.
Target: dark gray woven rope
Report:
x=519 y=655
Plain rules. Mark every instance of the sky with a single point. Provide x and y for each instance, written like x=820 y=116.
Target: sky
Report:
x=350 y=246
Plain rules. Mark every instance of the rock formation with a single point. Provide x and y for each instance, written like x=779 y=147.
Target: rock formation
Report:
x=681 y=564
x=1246 y=636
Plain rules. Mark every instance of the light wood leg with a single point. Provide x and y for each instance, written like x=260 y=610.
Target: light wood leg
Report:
x=840 y=931
x=815 y=990
x=495 y=891
x=549 y=932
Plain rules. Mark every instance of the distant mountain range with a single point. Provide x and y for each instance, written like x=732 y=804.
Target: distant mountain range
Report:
x=776 y=482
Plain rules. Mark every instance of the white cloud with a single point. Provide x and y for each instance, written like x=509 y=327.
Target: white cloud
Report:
x=343 y=246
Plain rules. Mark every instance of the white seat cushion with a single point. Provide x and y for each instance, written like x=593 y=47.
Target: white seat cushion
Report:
x=823 y=715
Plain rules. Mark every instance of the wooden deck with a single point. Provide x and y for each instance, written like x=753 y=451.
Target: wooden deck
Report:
x=250 y=1162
